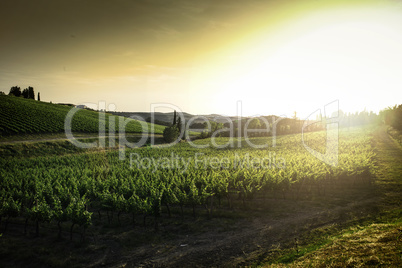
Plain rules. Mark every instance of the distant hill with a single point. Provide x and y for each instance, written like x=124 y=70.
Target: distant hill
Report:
x=167 y=118
x=25 y=116
x=162 y=118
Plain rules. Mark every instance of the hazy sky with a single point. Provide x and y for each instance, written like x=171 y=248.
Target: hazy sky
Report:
x=202 y=56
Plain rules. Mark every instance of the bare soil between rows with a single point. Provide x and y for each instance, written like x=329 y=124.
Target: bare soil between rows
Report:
x=249 y=240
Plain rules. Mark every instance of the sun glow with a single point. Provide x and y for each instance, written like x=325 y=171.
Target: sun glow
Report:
x=342 y=54
x=276 y=57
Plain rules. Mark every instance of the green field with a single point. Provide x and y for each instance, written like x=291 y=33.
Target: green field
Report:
x=70 y=188
x=26 y=116
x=50 y=190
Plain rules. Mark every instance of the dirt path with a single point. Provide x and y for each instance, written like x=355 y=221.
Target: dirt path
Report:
x=255 y=237
x=389 y=175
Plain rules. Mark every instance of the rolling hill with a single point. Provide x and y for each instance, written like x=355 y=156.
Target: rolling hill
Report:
x=167 y=118
x=26 y=116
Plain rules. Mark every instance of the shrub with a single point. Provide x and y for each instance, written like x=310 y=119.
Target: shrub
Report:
x=170 y=134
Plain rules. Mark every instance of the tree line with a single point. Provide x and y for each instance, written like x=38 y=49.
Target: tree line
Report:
x=27 y=93
x=392 y=116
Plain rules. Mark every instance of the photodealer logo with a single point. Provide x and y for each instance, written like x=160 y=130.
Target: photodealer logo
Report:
x=108 y=131
x=237 y=129
x=331 y=120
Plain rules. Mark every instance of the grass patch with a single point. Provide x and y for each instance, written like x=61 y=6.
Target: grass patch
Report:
x=372 y=242
x=297 y=253
x=396 y=135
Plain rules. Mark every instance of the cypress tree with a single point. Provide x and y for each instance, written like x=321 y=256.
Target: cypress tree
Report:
x=179 y=124
x=174 y=118
x=25 y=93
x=31 y=93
